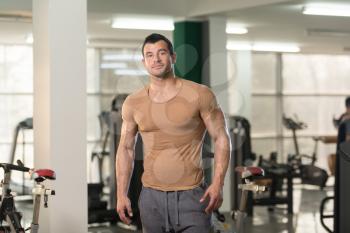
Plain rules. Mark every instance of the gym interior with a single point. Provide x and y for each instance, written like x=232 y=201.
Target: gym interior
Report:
x=280 y=70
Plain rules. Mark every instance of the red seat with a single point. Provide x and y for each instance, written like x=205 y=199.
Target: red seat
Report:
x=43 y=174
x=246 y=172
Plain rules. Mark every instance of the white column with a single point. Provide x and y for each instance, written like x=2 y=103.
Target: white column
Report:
x=59 y=29
x=240 y=92
x=219 y=80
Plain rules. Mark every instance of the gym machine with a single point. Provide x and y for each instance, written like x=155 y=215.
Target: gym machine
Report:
x=275 y=173
x=341 y=209
x=110 y=123
x=308 y=172
x=8 y=210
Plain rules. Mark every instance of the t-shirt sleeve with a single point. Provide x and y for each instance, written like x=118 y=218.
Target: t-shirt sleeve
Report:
x=127 y=111
x=207 y=102
x=347 y=126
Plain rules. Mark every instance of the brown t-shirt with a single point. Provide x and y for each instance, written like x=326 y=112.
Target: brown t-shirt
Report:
x=172 y=133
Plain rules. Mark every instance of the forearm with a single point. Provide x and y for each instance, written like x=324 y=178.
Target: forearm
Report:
x=124 y=168
x=347 y=138
x=222 y=153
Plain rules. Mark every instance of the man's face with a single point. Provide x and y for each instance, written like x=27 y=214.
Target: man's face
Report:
x=157 y=59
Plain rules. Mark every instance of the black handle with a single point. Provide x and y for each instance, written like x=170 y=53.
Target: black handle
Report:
x=323 y=216
x=8 y=167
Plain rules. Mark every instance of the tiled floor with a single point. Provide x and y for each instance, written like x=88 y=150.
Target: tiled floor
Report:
x=306 y=217
x=304 y=220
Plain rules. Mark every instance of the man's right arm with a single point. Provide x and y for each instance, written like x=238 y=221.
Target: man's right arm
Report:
x=124 y=166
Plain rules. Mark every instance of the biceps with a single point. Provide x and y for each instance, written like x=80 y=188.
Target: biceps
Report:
x=215 y=123
x=128 y=133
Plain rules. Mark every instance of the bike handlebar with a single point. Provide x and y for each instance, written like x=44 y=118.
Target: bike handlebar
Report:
x=8 y=167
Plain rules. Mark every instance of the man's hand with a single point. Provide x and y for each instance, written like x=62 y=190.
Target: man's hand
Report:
x=123 y=207
x=214 y=192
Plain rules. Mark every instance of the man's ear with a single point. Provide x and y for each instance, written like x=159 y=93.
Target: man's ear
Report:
x=173 y=58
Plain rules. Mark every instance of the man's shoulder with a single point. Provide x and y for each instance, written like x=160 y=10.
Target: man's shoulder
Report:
x=137 y=96
x=196 y=86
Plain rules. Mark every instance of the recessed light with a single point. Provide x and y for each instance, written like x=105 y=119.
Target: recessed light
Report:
x=234 y=29
x=143 y=23
x=263 y=47
x=327 y=10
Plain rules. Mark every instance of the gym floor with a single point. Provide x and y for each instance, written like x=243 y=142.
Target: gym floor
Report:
x=306 y=217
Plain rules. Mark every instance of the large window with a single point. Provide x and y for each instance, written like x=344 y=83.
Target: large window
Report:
x=109 y=72
x=311 y=88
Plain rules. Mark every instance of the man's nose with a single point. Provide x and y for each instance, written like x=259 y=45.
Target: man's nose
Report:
x=157 y=58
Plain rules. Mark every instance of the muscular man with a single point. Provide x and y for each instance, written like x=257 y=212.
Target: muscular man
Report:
x=172 y=115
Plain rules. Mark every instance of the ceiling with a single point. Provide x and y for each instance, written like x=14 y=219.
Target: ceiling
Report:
x=267 y=21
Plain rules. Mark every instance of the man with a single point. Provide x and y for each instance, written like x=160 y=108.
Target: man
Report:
x=172 y=115
x=345 y=115
x=344 y=124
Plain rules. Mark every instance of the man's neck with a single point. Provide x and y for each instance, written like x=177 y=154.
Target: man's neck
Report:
x=163 y=89
x=164 y=83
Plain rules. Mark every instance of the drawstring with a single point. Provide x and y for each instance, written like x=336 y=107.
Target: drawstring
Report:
x=166 y=213
x=176 y=209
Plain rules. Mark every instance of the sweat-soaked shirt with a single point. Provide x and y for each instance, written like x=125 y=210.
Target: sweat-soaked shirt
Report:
x=172 y=134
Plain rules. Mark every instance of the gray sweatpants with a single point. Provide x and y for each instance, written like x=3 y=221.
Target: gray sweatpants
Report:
x=176 y=212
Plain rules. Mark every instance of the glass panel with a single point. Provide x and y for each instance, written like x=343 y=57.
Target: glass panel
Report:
x=316 y=73
x=317 y=112
x=307 y=146
x=122 y=71
x=18 y=70
x=264 y=72
x=5 y=149
x=263 y=115
x=13 y=109
x=92 y=65
x=93 y=110
x=2 y=65
x=264 y=146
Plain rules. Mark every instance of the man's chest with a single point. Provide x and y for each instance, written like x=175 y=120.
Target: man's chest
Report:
x=176 y=115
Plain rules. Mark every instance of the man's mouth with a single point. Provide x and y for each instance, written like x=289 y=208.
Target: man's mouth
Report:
x=157 y=66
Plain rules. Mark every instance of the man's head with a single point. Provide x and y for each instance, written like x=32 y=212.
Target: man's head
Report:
x=158 y=56
x=155 y=37
x=347 y=102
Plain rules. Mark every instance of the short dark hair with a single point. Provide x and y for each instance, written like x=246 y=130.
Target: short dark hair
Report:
x=154 y=38
x=347 y=102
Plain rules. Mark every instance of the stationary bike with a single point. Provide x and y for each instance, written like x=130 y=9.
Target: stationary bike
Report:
x=8 y=211
x=308 y=172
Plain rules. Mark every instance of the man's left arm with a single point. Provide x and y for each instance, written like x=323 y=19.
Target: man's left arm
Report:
x=214 y=121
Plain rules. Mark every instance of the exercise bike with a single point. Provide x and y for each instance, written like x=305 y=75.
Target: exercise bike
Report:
x=247 y=175
x=8 y=211
x=308 y=172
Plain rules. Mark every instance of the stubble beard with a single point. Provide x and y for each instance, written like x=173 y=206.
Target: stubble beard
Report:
x=165 y=74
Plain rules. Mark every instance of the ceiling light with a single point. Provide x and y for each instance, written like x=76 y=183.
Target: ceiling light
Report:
x=327 y=32
x=29 y=38
x=143 y=22
x=233 y=29
x=288 y=48
x=116 y=65
x=327 y=10
x=130 y=72
x=263 y=47
x=231 y=45
x=122 y=57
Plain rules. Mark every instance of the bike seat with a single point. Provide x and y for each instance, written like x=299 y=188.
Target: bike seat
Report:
x=42 y=174
x=246 y=172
